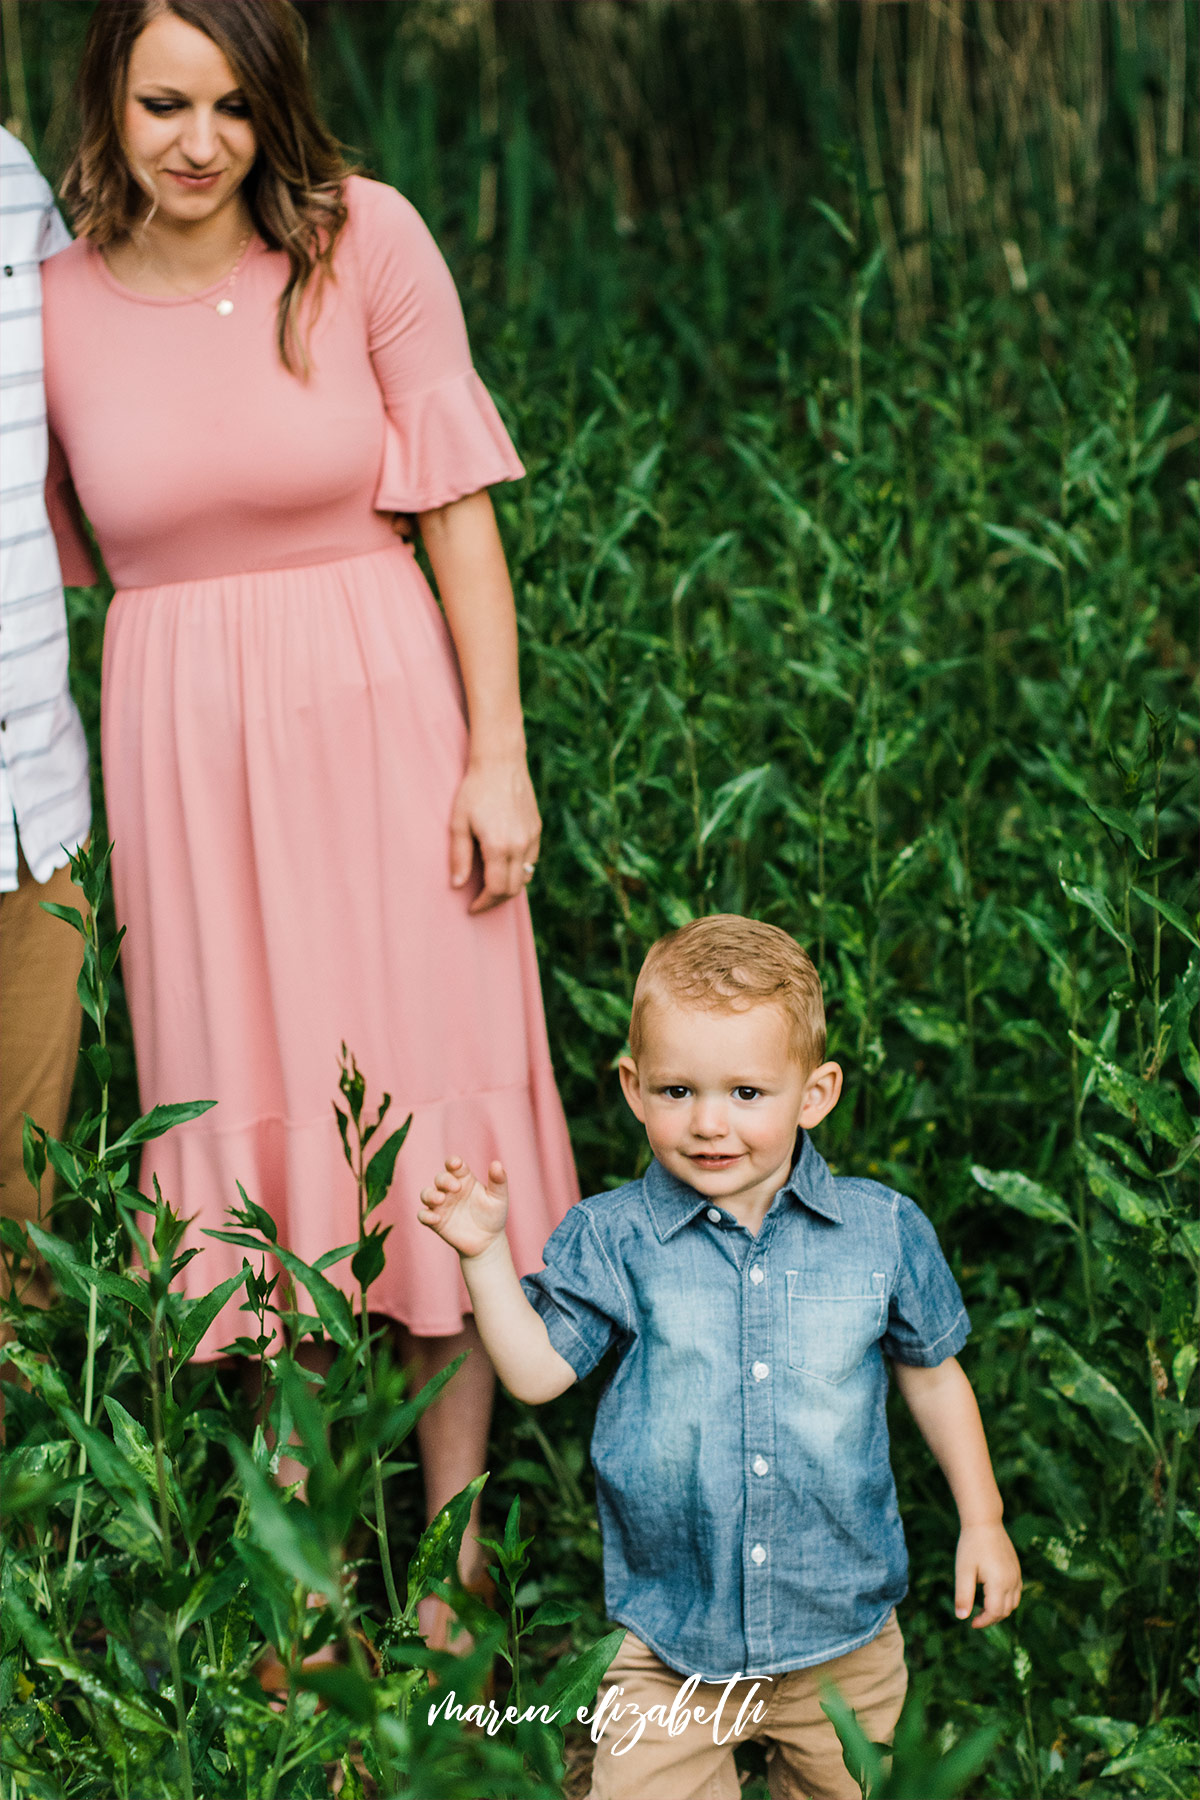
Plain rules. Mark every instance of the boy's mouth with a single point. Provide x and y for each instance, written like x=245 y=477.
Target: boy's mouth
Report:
x=712 y=1159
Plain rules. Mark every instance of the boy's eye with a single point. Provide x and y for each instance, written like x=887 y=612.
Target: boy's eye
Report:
x=746 y=1093
x=676 y=1091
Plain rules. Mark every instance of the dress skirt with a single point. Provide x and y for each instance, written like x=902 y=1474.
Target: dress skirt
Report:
x=281 y=753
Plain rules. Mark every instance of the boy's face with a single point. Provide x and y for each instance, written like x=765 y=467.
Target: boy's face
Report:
x=721 y=1097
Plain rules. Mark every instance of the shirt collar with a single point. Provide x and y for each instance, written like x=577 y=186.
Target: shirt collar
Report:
x=673 y=1204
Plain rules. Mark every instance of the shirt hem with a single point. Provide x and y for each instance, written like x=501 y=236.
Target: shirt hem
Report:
x=761 y=1672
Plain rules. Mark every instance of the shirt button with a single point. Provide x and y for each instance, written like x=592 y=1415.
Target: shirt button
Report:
x=714 y=1215
x=758 y=1555
x=756 y=1275
x=760 y=1371
x=760 y=1465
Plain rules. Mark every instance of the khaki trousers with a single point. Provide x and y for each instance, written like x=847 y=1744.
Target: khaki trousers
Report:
x=40 y=959
x=804 y=1758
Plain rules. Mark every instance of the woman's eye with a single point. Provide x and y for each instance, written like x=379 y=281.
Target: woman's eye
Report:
x=236 y=109
x=160 y=107
x=746 y=1093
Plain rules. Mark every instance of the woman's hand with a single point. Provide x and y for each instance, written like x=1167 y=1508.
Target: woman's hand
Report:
x=466 y=1214
x=496 y=809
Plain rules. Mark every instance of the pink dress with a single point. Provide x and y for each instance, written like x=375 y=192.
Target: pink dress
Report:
x=283 y=735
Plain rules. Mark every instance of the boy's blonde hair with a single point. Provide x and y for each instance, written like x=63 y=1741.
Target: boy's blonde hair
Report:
x=727 y=962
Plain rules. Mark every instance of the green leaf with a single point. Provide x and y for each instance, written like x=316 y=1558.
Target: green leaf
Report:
x=158 y=1120
x=1020 y=540
x=1106 y=1185
x=284 y=1531
x=343 y=1688
x=201 y=1313
x=835 y=219
x=1150 y=1103
x=382 y=1166
x=1026 y=1196
x=71 y=914
x=930 y=1026
x=1174 y=915
x=1078 y=1381
x=574 y=1683
x=133 y=1441
x=367 y=1262
x=1097 y=904
x=605 y=1013
x=436 y=1555
x=744 y=787
x=553 y=1612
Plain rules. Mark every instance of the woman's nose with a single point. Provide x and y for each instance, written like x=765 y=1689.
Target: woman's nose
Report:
x=198 y=139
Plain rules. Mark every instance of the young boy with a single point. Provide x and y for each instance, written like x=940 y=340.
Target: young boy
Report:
x=751 y=1532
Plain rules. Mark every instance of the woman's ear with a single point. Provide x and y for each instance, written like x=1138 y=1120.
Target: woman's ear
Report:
x=821 y=1094
x=631 y=1087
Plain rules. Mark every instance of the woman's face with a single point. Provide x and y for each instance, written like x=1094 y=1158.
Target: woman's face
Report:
x=187 y=135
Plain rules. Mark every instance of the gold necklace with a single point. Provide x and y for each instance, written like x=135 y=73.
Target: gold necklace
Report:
x=222 y=306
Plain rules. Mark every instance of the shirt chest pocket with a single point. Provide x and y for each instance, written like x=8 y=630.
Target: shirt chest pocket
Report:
x=830 y=1332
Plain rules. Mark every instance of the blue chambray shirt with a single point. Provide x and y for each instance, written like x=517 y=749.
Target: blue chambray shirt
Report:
x=745 y=1494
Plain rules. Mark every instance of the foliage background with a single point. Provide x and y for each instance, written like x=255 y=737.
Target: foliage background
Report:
x=849 y=350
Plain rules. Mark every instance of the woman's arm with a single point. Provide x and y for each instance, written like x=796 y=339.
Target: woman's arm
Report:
x=942 y=1402
x=495 y=804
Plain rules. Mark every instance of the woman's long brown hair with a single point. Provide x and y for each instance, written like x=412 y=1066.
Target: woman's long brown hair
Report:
x=294 y=190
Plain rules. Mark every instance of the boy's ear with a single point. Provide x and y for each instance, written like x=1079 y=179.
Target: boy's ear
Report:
x=821 y=1094
x=631 y=1087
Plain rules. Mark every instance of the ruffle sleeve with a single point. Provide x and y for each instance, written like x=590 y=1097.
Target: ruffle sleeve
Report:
x=444 y=436
x=442 y=444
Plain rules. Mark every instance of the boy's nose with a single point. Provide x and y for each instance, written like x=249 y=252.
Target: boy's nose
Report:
x=708 y=1121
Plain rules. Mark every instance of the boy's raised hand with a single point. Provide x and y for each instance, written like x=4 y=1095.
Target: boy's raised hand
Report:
x=985 y=1556
x=468 y=1215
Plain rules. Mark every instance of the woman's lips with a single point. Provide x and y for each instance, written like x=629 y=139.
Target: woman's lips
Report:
x=195 y=183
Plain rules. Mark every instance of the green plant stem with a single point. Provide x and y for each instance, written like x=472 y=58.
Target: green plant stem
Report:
x=89 y=1382
x=168 y=1557
x=381 y=1524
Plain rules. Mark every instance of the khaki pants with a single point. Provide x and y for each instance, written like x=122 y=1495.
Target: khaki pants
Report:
x=804 y=1759
x=40 y=959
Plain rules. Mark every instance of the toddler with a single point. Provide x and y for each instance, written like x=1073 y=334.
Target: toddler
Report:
x=751 y=1533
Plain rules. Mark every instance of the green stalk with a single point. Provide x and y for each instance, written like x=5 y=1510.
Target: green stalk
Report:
x=92 y=958
x=968 y=969
x=289 y=1715
x=168 y=1559
x=381 y=1527
x=1081 y=1205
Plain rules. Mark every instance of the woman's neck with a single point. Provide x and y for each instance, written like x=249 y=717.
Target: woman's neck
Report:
x=189 y=255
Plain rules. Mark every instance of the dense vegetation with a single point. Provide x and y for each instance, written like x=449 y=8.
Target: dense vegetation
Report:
x=849 y=353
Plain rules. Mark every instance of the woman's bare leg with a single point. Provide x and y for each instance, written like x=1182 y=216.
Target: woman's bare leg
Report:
x=453 y=1438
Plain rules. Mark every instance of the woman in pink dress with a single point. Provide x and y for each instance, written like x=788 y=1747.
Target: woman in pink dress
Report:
x=322 y=819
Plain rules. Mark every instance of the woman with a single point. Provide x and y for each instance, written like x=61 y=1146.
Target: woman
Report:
x=254 y=363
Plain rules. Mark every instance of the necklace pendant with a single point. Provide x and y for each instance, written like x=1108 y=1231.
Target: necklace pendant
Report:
x=224 y=307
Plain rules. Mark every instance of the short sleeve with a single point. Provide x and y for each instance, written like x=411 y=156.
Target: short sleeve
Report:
x=578 y=1295
x=53 y=235
x=927 y=1321
x=444 y=438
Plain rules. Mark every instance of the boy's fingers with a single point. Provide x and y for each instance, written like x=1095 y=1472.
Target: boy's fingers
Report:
x=496 y=1176
x=964 y=1591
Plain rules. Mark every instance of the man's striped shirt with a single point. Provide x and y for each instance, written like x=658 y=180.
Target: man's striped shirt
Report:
x=44 y=793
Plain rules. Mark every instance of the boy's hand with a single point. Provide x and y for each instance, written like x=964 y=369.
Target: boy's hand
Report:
x=985 y=1555
x=469 y=1216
